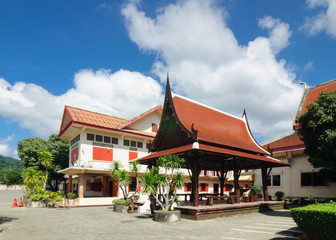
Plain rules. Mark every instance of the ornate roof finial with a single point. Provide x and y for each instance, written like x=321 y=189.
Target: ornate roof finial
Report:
x=303 y=83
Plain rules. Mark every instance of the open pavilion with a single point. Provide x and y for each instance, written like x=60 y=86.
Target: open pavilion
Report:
x=208 y=139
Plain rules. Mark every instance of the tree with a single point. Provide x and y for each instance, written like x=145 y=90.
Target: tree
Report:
x=46 y=159
x=32 y=178
x=29 y=149
x=318 y=132
x=10 y=177
x=163 y=186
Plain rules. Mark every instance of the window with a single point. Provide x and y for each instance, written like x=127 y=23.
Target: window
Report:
x=126 y=142
x=75 y=140
x=90 y=137
x=203 y=187
x=187 y=187
x=132 y=185
x=133 y=144
x=99 y=138
x=312 y=179
x=274 y=180
x=114 y=140
x=139 y=144
x=147 y=145
x=107 y=139
x=155 y=127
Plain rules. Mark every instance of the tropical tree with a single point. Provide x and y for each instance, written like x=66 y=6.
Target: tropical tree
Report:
x=32 y=178
x=46 y=158
x=29 y=150
x=10 y=177
x=318 y=132
x=163 y=186
x=122 y=177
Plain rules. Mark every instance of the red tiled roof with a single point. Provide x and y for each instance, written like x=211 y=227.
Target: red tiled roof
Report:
x=312 y=93
x=291 y=140
x=216 y=127
x=93 y=118
x=125 y=124
x=84 y=117
x=213 y=149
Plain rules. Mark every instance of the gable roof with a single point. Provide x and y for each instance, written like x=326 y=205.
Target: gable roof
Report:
x=290 y=142
x=312 y=93
x=141 y=116
x=72 y=115
x=216 y=127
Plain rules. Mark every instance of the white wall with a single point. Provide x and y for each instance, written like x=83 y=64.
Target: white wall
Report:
x=291 y=178
x=145 y=124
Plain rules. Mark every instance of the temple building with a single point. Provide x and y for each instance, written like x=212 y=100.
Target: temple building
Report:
x=301 y=179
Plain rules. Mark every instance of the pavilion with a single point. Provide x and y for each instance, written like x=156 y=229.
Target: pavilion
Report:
x=208 y=139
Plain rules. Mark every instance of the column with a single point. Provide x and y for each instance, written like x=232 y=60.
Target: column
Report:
x=81 y=185
x=264 y=183
x=236 y=183
x=70 y=184
x=195 y=181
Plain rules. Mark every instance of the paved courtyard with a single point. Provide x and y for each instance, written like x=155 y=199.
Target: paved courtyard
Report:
x=103 y=223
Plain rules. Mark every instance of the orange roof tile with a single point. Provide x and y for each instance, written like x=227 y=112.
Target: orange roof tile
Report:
x=213 y=149
x=311 y=94
x=216 y=127
x=93 y=118
x=284 y=142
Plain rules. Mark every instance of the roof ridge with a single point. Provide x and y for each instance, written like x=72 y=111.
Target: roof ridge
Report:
x=96 y=112
x=277 y=138
x=204 y=105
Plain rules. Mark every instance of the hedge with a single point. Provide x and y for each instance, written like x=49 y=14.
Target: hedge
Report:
x=318 y=221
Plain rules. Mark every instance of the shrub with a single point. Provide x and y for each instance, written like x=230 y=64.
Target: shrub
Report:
x=255 y=189
x=316 y=220
x=71 y=195
x=279 y=195
x=121 y=202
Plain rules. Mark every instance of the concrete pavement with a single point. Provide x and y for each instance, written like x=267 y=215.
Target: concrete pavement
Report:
x=102 y=223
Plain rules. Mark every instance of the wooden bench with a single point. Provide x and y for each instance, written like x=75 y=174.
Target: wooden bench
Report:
x=210 y=199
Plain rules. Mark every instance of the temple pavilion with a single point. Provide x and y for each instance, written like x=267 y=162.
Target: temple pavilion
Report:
x=208 y=139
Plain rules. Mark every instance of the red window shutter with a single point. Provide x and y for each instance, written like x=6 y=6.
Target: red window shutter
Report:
x=206 y=187
x=200 y=187
x=132 y=155
x=155 y=127
x=102 y=154
x=224 y=187
x=185 y=187
x=74 y=155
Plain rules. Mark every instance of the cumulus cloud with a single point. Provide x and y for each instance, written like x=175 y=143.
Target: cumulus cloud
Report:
x=6 y=149
x=325 y=20
x=122 y=93
x=207 y=63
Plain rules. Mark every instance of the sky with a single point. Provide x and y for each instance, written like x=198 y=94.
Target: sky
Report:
x=113 y=57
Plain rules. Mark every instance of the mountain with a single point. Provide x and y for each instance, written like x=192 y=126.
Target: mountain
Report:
x=11 y=163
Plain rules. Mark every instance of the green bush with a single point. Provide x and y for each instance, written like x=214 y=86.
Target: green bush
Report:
x=279 y=195
x=255 y=189
x=121 y=202
x=71 y=195
x=318 y=221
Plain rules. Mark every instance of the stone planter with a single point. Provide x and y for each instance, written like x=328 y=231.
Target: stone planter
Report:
x=167 y=216
x=36 y=204
x=120 y=208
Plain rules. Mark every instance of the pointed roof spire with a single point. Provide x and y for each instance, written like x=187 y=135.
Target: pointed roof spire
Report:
x=168 y=85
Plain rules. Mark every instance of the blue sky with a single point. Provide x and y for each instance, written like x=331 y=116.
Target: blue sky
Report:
x=112 y=57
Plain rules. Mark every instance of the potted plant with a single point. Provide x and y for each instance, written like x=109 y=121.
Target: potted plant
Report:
x=255 y=190
x=163 y=186
x=71 y=196
x=279 y=195
x=123 y=178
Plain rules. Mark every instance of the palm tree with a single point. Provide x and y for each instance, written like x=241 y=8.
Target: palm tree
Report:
x=122 y=176
x=46 y=158
x=163 y=186
x=32 y=178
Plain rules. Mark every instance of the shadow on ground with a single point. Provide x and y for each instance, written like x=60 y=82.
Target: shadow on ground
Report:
x=7 y=219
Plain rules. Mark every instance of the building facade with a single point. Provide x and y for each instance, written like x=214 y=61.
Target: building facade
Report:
x=301 y=179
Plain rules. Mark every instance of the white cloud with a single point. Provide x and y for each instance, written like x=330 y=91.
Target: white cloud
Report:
x=325 y=20
x=6 y=149
x=122 y=93
x=207 y=63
